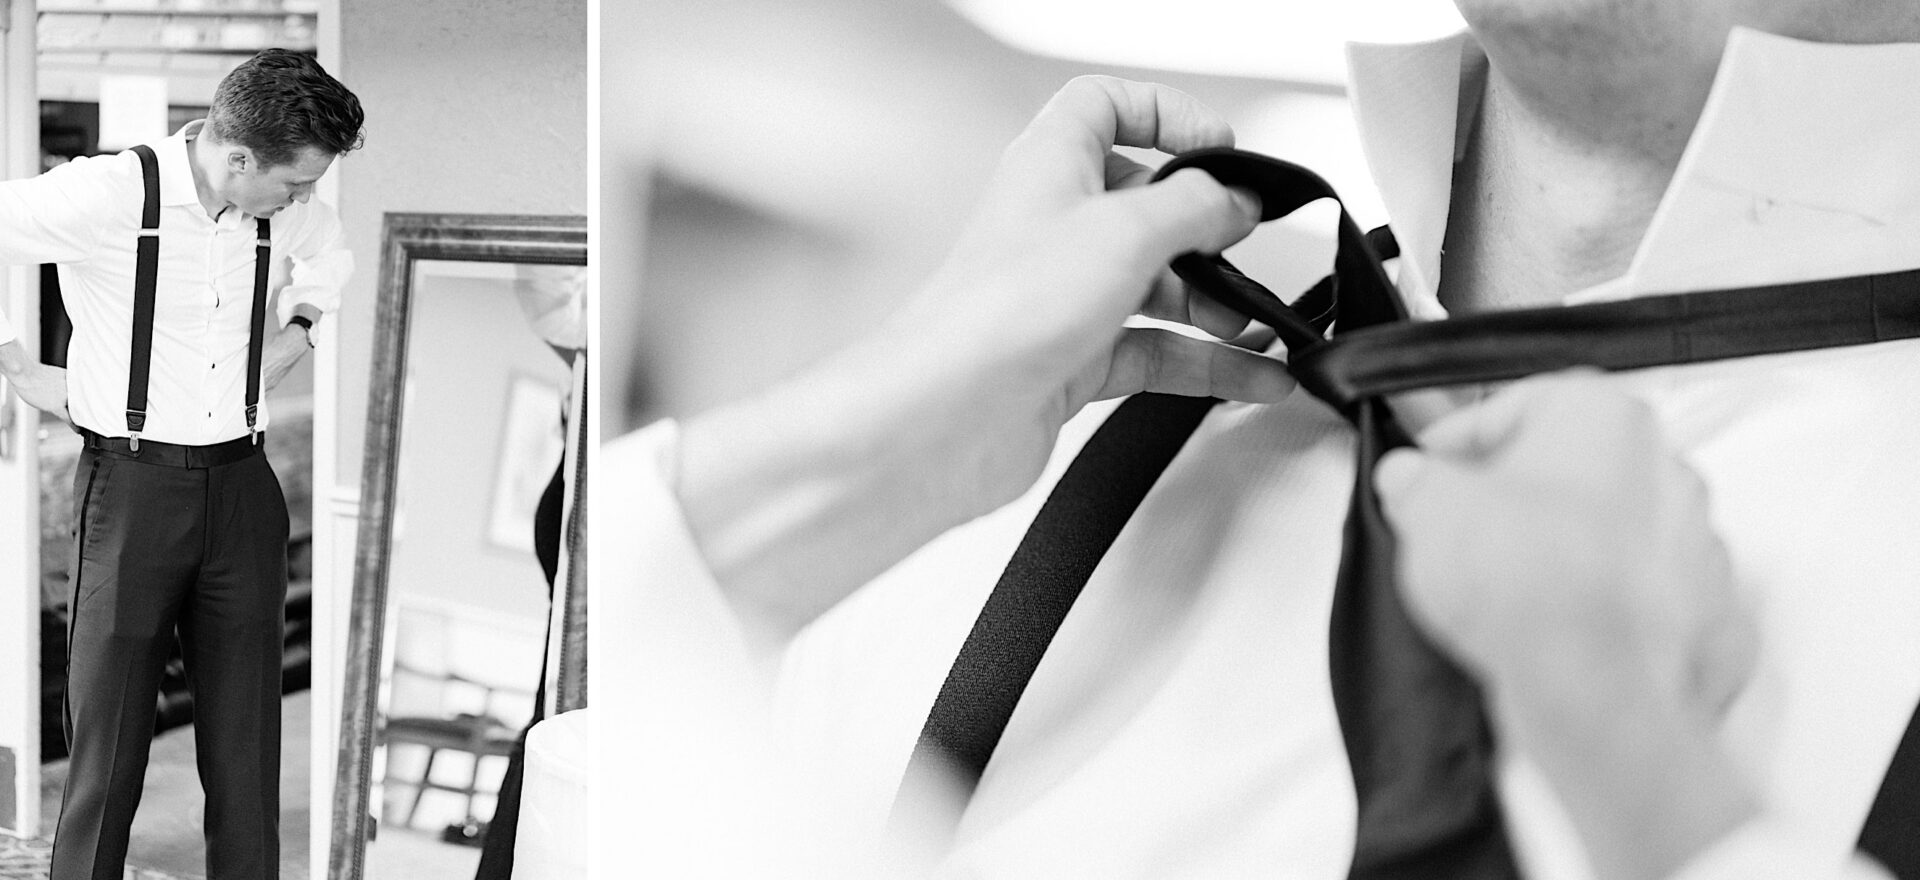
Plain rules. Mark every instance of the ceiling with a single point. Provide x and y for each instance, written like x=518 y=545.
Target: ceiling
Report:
x=190 y=43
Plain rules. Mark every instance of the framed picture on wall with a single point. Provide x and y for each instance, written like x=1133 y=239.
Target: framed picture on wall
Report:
x=531 y=444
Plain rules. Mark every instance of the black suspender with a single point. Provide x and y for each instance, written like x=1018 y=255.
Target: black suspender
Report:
x=146 y=273
x=262 y=262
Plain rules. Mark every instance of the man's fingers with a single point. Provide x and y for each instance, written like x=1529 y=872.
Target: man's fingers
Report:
x=1188 y=211
x=1418 y=488
x=1397 y=473
x=1171 y=299
x=1477 y=431
x=1122 y=112
x=1205 y=313
x=1125 y=173
x=1169 y=363
x=1724 y=659
x=1069 y=139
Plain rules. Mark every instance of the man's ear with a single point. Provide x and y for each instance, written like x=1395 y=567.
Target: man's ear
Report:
x=240 y=160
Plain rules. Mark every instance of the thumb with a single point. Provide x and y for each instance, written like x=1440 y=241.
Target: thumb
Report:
x=1416 y=491
x=1473 y=432
x=1398 y=473
x=1188 y=211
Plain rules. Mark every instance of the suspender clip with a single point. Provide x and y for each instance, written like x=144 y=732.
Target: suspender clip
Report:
x=133 y=442
x=253 y=412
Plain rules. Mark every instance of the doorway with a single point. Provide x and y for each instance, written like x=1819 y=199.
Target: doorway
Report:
x=85 y=78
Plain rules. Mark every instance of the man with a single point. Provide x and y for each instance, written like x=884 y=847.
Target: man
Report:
x=1181 y=724
x=181 y=523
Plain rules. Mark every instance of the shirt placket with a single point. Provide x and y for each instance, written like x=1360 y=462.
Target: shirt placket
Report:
x=218 y=235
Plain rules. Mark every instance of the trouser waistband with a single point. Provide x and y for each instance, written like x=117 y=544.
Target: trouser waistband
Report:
x=172 y=454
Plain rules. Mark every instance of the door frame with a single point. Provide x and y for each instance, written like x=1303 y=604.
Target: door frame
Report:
x=20 y=472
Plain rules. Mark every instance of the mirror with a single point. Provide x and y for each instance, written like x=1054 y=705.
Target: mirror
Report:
x=472 y=439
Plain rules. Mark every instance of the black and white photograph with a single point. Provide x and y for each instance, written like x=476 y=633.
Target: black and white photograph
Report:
x=1026 y=439
x=1389 y=439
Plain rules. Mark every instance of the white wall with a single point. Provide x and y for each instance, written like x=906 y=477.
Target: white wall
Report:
x=472 y=106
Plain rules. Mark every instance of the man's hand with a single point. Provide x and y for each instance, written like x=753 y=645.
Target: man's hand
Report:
x=284 y=349
x=1554 y=543
x=952 y=409
x=43 y=387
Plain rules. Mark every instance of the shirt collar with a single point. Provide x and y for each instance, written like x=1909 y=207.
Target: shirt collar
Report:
x=176 y=167
x=1800 y=167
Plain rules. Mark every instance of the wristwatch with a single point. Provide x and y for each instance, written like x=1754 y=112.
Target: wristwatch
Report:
x=305 y=324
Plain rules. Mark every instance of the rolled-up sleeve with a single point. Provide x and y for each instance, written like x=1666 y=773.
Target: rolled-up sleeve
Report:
x=676 y=688
x=321 y=266
x=663 y=583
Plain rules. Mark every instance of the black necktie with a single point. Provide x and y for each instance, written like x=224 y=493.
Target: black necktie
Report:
x=1417 y=736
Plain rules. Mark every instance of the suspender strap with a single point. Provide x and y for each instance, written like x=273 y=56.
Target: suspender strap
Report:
x=1076 y=525
x=262 y=262
x=146 y=273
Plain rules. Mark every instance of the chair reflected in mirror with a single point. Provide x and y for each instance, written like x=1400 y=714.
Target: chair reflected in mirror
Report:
x=470 y=737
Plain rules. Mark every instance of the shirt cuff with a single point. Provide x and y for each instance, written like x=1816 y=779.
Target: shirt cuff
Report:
x=1767 y=849
x=684 y=633
x=675 y=685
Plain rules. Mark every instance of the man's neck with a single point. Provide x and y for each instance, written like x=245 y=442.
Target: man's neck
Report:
x=200 y=151
x=1543 y=208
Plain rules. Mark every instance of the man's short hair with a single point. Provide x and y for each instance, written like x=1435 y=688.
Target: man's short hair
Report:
x=278 y=102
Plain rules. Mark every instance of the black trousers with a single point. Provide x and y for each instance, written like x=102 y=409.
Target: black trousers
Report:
x=165 y=551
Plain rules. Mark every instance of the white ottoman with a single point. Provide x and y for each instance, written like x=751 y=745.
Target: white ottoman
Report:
x=553 y=838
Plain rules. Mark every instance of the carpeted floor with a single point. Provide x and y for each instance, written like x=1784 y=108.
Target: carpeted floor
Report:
x=418 y=855
x=28 y=860
x=167 y=840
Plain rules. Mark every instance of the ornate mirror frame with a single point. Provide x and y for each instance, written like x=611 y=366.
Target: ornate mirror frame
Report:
x=408 y=239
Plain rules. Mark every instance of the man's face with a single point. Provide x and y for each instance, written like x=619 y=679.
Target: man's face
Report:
x=263 y=190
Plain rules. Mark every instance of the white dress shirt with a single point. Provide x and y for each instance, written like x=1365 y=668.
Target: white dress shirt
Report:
x=85 y=215
x=554 y=299
x=1182 y=724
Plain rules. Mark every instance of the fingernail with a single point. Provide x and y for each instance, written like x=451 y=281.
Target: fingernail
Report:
x=1395 y=472
x=1273 y=386
x=1248 y=202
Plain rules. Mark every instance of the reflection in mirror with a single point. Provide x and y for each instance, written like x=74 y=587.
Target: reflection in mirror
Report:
x=452 y=600
x=466 y=596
